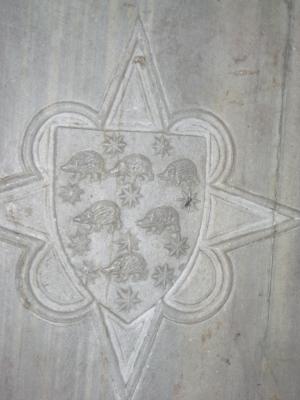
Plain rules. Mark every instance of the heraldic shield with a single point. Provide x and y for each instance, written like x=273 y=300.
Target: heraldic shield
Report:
x=128 y=208
x=132 y=217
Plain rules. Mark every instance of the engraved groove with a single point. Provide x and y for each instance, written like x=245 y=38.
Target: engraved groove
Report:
x=128 y=256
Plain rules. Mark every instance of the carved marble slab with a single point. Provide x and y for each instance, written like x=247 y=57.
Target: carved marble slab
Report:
x=125 y=216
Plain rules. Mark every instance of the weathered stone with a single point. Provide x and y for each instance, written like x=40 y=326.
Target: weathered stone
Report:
x=150 y=204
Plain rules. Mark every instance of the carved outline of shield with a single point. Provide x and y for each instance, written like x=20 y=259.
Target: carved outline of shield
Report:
x=93 y=140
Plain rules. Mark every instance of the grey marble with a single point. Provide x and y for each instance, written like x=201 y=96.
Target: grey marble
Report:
x=149 y=200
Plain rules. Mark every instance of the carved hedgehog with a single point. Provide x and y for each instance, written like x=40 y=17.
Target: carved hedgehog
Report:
x=160 y=219
x=87 y=163
x=181 y=172
x=103 y=213
x=129 y=265
x=132 y=168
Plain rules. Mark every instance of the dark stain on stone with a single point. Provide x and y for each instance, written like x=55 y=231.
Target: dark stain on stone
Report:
x=129 y=5
x=206 y=336
x=176 y=389
x=27 y=304
x=274 y=397
x=226 y=361
x=240 y=59
x=139 y=60
x=188 y=202
x=245 y=72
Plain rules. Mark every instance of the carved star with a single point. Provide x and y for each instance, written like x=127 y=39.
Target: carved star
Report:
x=163 y=276
x=189 y=201
x=127 y=299
x=71 y=193
x=79 y=242
x=128 y=242
x=130 y=195
x=114 y=144
x=162 y=146
x=177 y=246
x=88 y=272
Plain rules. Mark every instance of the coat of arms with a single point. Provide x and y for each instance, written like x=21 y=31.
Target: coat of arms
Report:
x=132 y=219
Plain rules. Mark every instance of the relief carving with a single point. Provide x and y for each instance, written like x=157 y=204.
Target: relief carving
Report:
x=138 y=225
x=133 y=169
x=114 y=144
x=128 y=266
x=162 y=146
x=85 y=164
x=101 y=214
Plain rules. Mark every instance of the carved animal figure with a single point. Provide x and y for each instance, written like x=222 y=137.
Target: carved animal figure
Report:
x=132 y=168
x=86 y=163
x=160 y=219
x=181 y=172
x=129 y=265
x=103 y=213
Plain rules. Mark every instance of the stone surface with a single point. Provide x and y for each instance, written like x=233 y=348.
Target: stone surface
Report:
x=150 y=207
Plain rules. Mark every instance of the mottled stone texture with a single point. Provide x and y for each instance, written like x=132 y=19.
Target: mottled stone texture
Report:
x=149 y=200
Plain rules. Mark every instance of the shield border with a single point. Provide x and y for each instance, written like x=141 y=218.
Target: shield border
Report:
x=168 y=304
